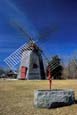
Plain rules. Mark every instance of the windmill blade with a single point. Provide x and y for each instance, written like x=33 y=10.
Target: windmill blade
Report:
x=47 y=31
x=53 y=65
x=46 y=58
x=15 y=57
x=21 y=29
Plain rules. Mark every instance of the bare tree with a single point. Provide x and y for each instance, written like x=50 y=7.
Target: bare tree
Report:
x=70 y=71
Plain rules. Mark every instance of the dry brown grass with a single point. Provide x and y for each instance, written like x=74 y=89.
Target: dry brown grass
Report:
x=16 y=97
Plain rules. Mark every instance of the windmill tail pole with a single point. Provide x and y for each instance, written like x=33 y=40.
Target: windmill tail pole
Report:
x=49 y=78
x=49 y=72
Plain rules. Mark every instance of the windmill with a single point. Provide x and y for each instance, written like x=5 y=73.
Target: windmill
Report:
x=30 y=57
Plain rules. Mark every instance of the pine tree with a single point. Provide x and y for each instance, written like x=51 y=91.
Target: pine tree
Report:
x=55 y=67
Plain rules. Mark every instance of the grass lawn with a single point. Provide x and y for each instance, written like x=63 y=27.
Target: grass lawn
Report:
x=16 y=97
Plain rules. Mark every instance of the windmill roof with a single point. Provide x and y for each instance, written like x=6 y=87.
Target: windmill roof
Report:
x=32 y=46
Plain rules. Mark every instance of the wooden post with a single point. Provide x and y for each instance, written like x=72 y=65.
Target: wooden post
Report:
x=49 y=78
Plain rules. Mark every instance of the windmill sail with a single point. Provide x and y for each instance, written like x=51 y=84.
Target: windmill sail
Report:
x=15 y=57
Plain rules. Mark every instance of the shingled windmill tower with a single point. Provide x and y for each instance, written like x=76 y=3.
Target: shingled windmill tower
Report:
x=31 y=66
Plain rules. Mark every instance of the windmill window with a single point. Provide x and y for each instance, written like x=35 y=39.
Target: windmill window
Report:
x=35 y=66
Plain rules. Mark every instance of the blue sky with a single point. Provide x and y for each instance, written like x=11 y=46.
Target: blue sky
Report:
x=35 y=16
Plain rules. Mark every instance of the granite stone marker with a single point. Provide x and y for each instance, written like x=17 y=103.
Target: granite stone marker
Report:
x=53 y=98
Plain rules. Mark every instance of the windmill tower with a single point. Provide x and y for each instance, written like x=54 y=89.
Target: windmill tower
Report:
x=31 y=66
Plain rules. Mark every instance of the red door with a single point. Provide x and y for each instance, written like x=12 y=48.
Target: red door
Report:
x=23 y=72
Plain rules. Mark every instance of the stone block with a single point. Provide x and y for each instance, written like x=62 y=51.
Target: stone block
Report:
x=53 y=98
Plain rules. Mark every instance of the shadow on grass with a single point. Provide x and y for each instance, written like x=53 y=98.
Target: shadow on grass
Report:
x=76 y=101
x=61 y=104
